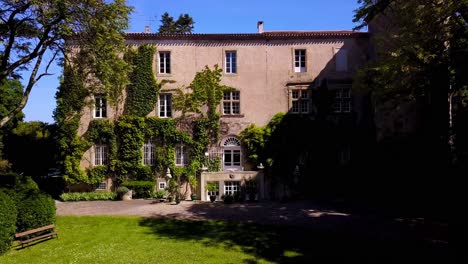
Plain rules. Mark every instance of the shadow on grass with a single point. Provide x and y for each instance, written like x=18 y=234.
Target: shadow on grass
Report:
x=290 y=244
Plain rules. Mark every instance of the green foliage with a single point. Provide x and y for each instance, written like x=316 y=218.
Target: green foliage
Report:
x=141 y=189
x=121 y=191
x=41 y=27
x=212 y=186
x=228 y=199
x=8 y=214
x=88 y=196
x=421 y=57
x=35 y=210
x=142 y=92
x=130 y=133
x=159 y=194
x=214 y=164
x=11 y=93
x=30 y=147
x=183 y=25
x=97 y=174
x=255 y=139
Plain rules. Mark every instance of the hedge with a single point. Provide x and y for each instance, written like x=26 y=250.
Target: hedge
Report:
x=8 y=214
x=35 y=210
x=88 y=196
x=141 y=189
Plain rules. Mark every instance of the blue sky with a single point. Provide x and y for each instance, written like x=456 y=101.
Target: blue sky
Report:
x=215 y=16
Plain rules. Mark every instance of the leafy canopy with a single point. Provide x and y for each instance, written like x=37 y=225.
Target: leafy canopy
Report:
x=183 y=25
x=85 y=34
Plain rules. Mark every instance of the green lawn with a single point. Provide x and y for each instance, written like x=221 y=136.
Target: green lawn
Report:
x=106 y=239
x=139 y=240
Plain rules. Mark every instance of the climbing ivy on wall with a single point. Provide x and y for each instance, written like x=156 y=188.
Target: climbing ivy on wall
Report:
x=126 y=135
x=142 y=92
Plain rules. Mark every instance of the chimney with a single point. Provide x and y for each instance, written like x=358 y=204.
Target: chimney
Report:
x=147 y=29
x=260 y=26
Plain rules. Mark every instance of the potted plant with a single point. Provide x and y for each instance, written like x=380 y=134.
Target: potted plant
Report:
x=212 y=187
x=124 y=193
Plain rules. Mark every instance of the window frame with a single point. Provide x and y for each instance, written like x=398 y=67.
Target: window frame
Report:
x=184 y=156
x=159 y=185
x=101 y=154
x=301 y=100
x=342 y=98
x=167 y=105
x=231 y=187
x=149 y=147
x=231 y=147
x=102 y=108
x=164 y=62
x=99 y=186
x=230 y=58
x=300 y=60
x=231 y=102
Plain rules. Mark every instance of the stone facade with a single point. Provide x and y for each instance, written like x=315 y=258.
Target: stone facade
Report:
x=266 y=76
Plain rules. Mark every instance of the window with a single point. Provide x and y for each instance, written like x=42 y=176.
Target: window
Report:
x=100 y=107
x=232 y=154
x=101 y=186
x=162 y=185
x=300 y=101
x=231 y=187
x=100 y=154
x=342 y=100
x=300 y=60
x=231 y=62
x=344 y=154
x=164 y=62
x=148 y=153
x=231 y=103
x=165 y=105
x=341 y=59
x=181 y=155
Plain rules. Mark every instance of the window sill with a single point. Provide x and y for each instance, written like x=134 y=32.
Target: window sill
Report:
x=164 y=74
x=233 y=116
x=226 y=74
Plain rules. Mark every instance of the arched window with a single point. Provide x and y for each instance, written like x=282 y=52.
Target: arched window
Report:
x=232 y=155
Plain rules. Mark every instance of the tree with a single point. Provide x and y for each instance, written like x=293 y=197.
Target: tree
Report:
x=36 y=33
x=421 y=56
x=183 y=25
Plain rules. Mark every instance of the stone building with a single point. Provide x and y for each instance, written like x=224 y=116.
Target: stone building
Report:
x=271 y=71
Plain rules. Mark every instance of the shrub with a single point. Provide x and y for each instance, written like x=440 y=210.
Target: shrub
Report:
x=228 y=199
x=35 y=210
x=159 y=194
x=141 y=189
x=8 y=214
x=121 y=191
x=88 y=196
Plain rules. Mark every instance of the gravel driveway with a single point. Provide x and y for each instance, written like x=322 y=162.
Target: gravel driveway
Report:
x=302 y=213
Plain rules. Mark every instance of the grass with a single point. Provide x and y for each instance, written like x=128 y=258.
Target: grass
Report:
x=106 y=239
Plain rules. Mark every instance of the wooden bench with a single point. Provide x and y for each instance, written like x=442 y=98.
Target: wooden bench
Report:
x=49 y=232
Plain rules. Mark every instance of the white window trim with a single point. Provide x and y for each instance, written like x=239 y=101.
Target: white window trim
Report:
x=230 y=61
x=231 y=101
x=301 y=68
x=163 y=183
x=184 y=155
x=152 y=146
x=231 y=187
x=231 y=144
x=300 y=99
x=101 y=158
x=165 y=95
x=100 y=110
x=101 y=186
x=341 y=100
x=164 y=69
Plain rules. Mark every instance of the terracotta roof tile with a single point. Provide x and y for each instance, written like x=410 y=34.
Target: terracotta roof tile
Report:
x=269 y=35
